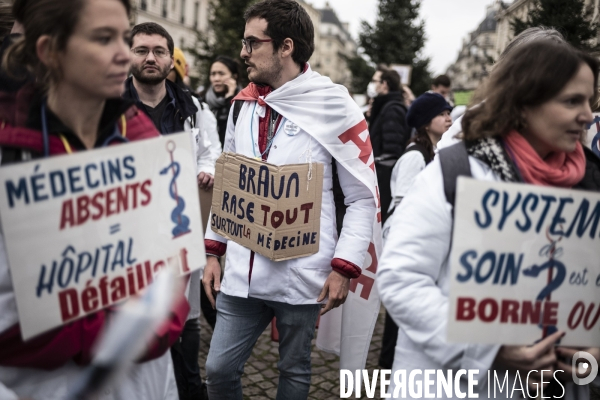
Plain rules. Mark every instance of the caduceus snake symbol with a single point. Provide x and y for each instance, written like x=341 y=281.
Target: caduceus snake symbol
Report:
x=552 y=265
x=182 y=222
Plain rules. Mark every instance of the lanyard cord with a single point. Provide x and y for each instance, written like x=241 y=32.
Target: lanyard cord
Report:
x=269 y=142
x=46 y=141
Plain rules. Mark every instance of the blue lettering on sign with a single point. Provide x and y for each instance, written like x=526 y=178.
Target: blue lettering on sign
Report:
x=484 y=203
x=16 y=192
x=73 y=265
x=524 y=227
x=90 y=181
x=265 y=181
x=238 y=207
x=57 y=183
x=42 y=186
x=504 y=267
x=562 y=215
x=584 y=222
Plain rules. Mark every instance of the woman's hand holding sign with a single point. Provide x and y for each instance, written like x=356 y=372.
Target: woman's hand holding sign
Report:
x=212 y=279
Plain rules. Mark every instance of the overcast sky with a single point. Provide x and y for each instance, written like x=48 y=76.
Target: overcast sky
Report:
x=446 y=23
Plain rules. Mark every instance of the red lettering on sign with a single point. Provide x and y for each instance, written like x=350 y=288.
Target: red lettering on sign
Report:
x=507 y=311
x=577 y=315
x=465 y=309
x=78 y=211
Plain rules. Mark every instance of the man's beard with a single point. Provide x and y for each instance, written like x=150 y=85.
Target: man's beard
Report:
x=138 y=74
x=268 y=76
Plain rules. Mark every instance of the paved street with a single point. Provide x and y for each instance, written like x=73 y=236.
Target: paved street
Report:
x=260 y=376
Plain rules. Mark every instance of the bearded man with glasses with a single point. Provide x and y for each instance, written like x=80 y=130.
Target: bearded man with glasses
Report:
x=173 y=109
x=290 y=114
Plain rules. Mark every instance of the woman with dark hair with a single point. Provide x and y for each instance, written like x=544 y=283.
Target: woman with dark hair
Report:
x=430 y=116
x=528 y=129
x=223 y=88
x=79 y=52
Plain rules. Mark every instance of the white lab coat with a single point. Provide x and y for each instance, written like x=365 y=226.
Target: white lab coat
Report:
x=205 y=137
x=297 y=281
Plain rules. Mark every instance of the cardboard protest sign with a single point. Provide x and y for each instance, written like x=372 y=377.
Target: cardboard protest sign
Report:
x=90 y=229
x=525 y=262
x=273 y=210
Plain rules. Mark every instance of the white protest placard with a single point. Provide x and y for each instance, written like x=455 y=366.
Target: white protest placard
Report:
x=273 y=210
x=91 y=229
x=525 y=262
x=405 y=72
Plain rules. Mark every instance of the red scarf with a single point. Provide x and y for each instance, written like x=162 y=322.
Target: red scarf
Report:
x=559 y=169
x=252 y=93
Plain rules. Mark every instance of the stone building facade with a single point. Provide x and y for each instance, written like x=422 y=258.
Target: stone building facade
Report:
x=335 y=45
x=315 y=17
x=483 y=46
x=477 y=54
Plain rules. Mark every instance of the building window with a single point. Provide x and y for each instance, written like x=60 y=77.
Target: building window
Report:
x=181 y=43
x=143 y=6
x=164 y=9
x=196 y=14
x=182 y=19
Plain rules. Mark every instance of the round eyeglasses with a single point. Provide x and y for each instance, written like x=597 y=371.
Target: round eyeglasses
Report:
x=249 y=43
x=158 y=52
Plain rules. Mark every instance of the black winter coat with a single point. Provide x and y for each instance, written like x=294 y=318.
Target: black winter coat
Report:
x=388 y=129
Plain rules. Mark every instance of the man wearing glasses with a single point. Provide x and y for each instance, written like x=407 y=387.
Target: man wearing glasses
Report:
x=173 y=109
x=289 y=115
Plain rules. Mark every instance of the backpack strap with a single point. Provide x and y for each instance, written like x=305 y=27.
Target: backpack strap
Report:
x=237 y=107
x=455 y=163
x=421 y=149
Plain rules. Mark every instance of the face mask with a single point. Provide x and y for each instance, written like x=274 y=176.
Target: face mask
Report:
x=371 y=91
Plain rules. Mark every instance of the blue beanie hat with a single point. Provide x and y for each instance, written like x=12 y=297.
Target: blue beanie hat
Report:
x=425 y=108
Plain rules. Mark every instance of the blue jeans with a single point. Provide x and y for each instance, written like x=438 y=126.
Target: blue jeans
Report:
x=240 y=322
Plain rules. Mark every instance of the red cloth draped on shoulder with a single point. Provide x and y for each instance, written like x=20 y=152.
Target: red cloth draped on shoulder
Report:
x=75 y=340
x=253 y=92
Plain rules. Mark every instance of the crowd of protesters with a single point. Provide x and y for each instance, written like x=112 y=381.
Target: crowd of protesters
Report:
x=76 y=76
